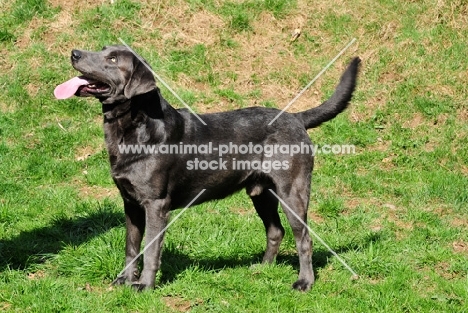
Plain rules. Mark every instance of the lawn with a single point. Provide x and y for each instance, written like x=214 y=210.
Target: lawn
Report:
x=396 y=210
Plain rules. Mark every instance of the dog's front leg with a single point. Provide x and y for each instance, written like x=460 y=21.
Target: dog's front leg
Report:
x=157 y=215
x=135 y=227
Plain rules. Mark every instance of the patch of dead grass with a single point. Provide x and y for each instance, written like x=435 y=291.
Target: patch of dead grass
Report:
x=459 y=222
x=32 y=89
x=98 y=192
x=451 y=13
x=460 y=246
x=64 y=23
x=84 y=152
x=415 y=121
x=36 y=275
x=315 y=217
x=380 y=145
x=5 y=305
x=367 y=110
x=442 y=269
x=5 y=64
x=462 y=114
x=179 y=304
x=264 y=51
x=240 y=211
x=24 y=41
x=7 y=107
x=76 y=5
x=391 y=213
x=179 y=24
x=201 y=27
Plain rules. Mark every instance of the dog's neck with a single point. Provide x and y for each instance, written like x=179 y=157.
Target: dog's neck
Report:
x=113 y=112
x=144 y=119
x=143 y=104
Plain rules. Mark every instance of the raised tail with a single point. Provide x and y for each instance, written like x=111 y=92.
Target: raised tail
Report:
x=337 y=102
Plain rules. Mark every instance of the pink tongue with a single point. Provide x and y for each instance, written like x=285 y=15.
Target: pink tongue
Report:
x=68 y=88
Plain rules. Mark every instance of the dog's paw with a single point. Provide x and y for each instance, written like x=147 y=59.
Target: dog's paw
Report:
x=137 y=286
x=302 y=285
x=126 y=279
x=121 y=280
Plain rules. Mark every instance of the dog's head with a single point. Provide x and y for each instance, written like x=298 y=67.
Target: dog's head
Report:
x=114 y=74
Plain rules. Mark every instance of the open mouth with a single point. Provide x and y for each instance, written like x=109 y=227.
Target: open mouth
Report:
x=93 y=88
x=81 y=86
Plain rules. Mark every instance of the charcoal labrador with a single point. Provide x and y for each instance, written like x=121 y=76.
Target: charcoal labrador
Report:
x=153 y=184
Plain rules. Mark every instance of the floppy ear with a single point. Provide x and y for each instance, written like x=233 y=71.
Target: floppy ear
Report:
x=141 y=80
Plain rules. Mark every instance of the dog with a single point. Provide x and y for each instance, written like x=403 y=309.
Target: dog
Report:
x=153 y=184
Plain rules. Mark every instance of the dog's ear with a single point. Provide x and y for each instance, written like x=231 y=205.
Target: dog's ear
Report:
x=141 y=80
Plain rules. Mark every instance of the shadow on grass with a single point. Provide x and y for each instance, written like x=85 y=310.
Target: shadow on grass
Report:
x=37 y=245
x=174 y=262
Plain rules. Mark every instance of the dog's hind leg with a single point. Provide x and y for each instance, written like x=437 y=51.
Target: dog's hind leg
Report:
x=266 y=206
x=297 y=199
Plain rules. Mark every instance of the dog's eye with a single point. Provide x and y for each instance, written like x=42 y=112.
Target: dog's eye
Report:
x=113 y=59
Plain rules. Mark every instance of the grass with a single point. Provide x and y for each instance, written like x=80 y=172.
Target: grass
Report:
x=396 y=211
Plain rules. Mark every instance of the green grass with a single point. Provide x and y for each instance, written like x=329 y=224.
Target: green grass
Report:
x=396 y=211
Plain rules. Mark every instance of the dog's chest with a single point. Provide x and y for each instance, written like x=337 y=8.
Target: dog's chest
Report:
x=121 y=142
x=138 y=179
x=137 y=174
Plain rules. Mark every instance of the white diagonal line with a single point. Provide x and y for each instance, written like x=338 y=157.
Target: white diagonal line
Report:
x=315 y=235
x=162 y=81
x=313 y=80
x=147 y=245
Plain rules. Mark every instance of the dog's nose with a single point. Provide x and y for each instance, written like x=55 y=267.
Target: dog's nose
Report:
x=76 y=55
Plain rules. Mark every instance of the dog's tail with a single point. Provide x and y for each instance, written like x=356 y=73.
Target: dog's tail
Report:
x=337 y=102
